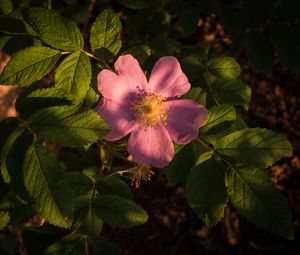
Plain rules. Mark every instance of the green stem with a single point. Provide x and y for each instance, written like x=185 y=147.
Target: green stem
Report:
x=98 y=59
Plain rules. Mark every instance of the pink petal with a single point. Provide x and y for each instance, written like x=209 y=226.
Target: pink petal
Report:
x=167 y=78
x=119 y=118
x=151 y=146
x=185 y=117
x=123 y=84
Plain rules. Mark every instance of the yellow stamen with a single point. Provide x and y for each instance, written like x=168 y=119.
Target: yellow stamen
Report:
x=150 y=109
x=139 y=174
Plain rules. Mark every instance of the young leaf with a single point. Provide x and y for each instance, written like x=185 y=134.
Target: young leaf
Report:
x=217 y=115
x=43 y=176
x=119 y=212
x=105 y=34
x=224 y=67
x=180 y=166
x=73 y=244
x=259 y=51
x=68 y=126
x=205 y=190
x=29 y=65
x=111 y=185
x=231 y=91
x=74 y=74
x=57 y=31
x=254 y=146
x=255 y=197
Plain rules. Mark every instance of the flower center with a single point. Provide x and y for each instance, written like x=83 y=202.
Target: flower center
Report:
x=150 y=109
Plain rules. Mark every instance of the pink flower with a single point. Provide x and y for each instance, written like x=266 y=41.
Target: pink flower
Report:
x=150 y=111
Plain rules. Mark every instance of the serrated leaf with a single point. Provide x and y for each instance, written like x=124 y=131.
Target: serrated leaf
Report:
x=79 y=182
x=105 y=34
x=217 y=115
x=68 y=125
x=4 y=219
x=180 y=166
x=254 y=147
x=205 y=190
x=118 y=211
x=55 y=30
x=12 y=157
x=42 y=98
x=224 y=67
x=11 y=25
x=7 y=126
x=231 y=91
x=74 y=74
x=255 y=198
x=44 y=179
x=111 y=185
x=259 y=51
x=29 y=65
x=103 y=247
x=91 y=98
x=196 y=94
x=73 y=244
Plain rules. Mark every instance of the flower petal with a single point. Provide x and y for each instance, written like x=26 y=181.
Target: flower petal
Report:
x=151 y=146
x=185 y=117
x=120 y=86
x=167 y=78
x=119 y=118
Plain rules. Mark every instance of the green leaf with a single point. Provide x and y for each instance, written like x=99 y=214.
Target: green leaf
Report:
x=79 y=182
x=205 y=191
x=106 y=34
x=55 y=30
x=12 y=157
x=68 y=125
x=180 y=166
x=7 y=126
x=4 y=219
x=138 y=4
x=11 y=25
x=91 y=98
x=254 y=146
x=103 y=247
x=224 y=67
x=114 y=186
x=74 y=74
x=255 y=197
x=44 y=180
x=119 y=212
x=196 y=94
x=259 y=51
x=231 y=91
x=216 y=115
x=29 y=65
x=42 y=98
x=73 y=244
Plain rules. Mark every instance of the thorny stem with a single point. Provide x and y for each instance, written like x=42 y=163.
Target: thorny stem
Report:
x=98 y=59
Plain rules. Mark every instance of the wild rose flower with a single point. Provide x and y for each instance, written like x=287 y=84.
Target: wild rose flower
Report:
x=150 y=111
